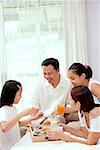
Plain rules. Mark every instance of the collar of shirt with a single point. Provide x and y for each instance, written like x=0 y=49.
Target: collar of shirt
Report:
x=62 y=82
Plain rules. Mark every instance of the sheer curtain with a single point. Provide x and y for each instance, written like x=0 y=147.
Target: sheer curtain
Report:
x=75 y=31
x=2 y=50
x=32 y=30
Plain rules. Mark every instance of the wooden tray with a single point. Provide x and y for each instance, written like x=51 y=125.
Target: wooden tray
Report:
x=38 y=137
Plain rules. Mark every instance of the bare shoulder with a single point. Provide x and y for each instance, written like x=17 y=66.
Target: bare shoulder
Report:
x=95 y=85
x=95 y=88
x=95 y=112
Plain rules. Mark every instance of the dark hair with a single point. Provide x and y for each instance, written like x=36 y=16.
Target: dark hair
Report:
x=51 y=61
x=8 y=92
x=84 y=96
x=79 y=68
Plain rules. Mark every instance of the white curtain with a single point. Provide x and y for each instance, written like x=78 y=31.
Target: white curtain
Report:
x=32 y=30
x=75 y=31
x=35 y=27
x=3 y=70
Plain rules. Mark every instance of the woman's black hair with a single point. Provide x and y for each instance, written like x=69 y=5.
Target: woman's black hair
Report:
x=84 y=96
x=79 y=69
x=8 y=92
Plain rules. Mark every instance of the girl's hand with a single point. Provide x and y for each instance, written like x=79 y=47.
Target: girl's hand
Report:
x=52 y=114
x=38 y=115
x=65 y=127
x=54 y=135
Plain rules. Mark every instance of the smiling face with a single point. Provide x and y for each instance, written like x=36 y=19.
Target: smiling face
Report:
x=50 y=74
x=76 y=79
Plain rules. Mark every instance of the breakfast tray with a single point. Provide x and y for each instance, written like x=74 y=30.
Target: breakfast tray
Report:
x=38 y=137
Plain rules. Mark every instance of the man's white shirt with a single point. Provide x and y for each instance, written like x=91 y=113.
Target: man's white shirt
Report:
x=46 y=97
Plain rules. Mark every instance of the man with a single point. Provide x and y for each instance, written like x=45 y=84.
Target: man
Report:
x=52 y=90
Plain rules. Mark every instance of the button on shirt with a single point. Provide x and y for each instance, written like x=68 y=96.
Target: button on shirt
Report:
x=46 y=97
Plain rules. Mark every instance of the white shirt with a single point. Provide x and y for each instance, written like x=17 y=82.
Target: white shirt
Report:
x=1 y=145
x=94 y=122
x=46 y=97
x=9 y=138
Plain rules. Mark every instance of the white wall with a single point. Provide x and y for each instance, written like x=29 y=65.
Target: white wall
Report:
x=93 y=35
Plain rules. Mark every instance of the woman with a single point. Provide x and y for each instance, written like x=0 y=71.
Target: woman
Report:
x=80 y=74
x=90 y=126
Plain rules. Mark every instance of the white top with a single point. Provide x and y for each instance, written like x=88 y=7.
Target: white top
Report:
x=13 y=135
x=94 y=123
x=46 y=97
x=1 y=144
x=1 y=147
x=91 y=82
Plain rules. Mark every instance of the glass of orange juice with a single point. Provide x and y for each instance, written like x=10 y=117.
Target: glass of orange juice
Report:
x=60 y=109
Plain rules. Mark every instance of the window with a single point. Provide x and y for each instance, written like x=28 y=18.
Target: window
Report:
x=33 y=31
